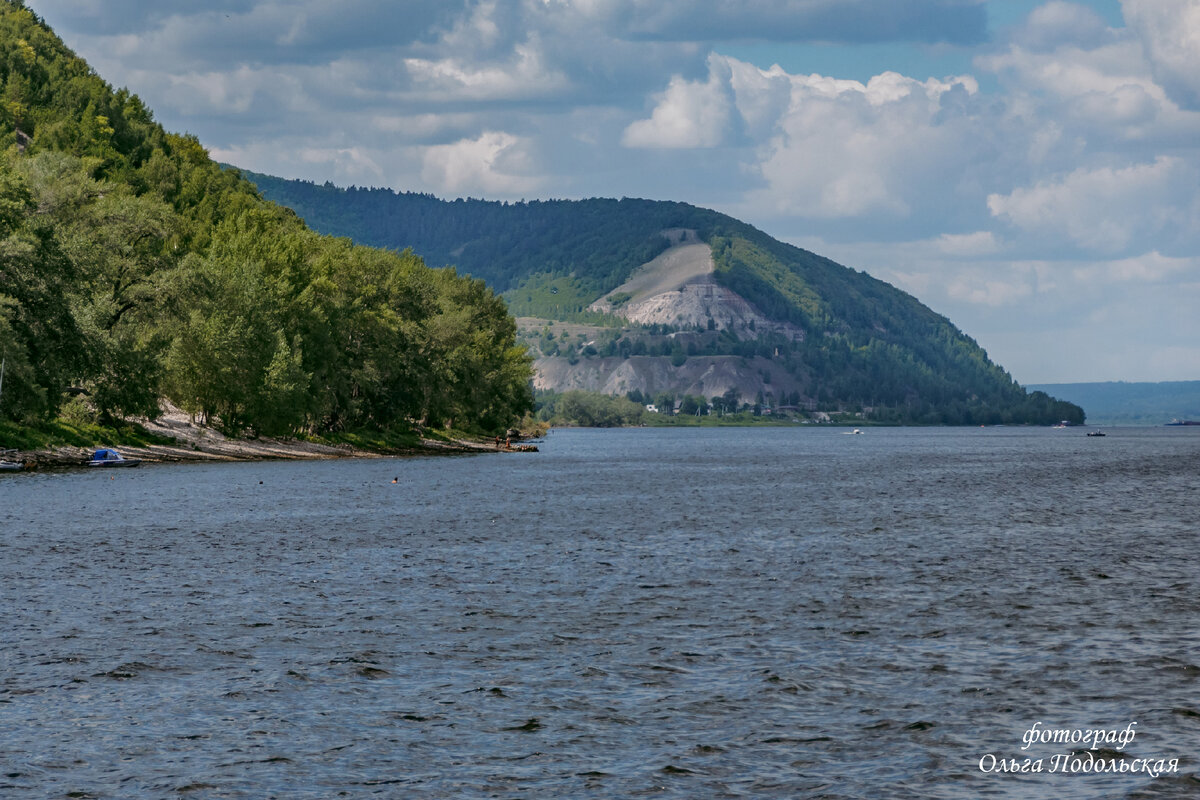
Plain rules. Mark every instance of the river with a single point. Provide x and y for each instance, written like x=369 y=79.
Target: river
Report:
x=678 y=613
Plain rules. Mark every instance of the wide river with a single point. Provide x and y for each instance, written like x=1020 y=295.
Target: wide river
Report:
x=785 y=612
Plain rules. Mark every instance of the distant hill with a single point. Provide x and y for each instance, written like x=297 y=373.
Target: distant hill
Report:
x=1121 y=403
x=669 y=281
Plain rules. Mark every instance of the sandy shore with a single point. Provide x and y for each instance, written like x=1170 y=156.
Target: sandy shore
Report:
x=197 y=443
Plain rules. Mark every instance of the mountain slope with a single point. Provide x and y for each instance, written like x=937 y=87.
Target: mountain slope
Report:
x=843 y=339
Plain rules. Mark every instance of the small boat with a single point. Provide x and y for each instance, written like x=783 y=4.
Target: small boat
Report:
x=1097 y=433
x=851 y=433
x=9 y=466
x=107 y=457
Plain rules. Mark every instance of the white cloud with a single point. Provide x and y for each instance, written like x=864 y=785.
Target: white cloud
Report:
x=688 y=113
x=451 y=79
x=1109 y=87
x=496 y=163
x=1104 y=209
x=1170 y=32
x=1058 y=23
x=846 y=149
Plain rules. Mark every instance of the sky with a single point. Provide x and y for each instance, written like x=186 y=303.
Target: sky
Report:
x=1031 y=170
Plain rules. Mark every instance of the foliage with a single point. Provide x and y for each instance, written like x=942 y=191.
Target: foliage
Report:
x=588 y=410
x=132 y=268
x=866 y=344
x=596 y=242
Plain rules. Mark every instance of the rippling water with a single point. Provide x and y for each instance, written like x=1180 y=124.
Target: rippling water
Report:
x=664 y=613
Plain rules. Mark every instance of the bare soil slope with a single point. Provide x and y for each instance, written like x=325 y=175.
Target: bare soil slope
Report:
x=679 y=288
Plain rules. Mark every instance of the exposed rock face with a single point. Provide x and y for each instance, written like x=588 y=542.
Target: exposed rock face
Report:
x=678 y=288
x=704 y=376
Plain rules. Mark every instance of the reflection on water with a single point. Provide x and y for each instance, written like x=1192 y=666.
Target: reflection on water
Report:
x=696 y=613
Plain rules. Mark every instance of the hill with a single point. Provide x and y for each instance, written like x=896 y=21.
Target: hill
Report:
x=133 y=268
x=617 y=295
x=1121 y=403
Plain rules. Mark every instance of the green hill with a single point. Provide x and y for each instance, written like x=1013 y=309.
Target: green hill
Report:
x=133 y=268
x=856 y=342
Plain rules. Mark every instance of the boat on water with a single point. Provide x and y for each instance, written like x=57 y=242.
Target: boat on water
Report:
x=1182 y=422
x=1097 y=433
x=851 y=433
x=107 y=457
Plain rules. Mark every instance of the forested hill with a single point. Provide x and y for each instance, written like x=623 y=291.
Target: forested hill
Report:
x=598 y=242
x=133 y=268
x=865 y=344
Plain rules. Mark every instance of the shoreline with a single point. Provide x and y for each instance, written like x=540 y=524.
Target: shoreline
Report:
x=197 y=444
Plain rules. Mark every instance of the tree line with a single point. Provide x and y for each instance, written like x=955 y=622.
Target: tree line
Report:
x=133 y=268
x=867 y=343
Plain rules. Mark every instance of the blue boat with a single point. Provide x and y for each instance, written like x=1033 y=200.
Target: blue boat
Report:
x=107 y=457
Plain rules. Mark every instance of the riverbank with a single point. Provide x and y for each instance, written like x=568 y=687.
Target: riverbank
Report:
x=173 y=437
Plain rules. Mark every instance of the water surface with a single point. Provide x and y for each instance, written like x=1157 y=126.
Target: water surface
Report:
x=648 y=612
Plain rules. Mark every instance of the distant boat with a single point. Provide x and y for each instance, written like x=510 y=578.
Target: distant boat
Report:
x=1063 y=424
x=1097 y=433
x=108 y=457
x=1183 y=422
x=851 y=433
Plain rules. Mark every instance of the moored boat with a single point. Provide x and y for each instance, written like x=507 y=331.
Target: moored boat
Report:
x=107 y=457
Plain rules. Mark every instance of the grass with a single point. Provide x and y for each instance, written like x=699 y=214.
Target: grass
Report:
x=60 y=433
x=372 y=440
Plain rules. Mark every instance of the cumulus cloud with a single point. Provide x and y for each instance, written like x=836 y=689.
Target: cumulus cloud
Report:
x=823 y=147
x=1170 y=32
x=843 y=148
x=496 y=163
x=1107 y=90
x=1058 y=24
x=1105 y=209
x=451 y=79
x=688 y=113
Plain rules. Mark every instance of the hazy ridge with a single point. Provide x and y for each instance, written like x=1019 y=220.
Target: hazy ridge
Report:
x=1130 y=403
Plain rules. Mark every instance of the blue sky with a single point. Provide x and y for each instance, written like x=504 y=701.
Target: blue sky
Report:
x=1028 y=169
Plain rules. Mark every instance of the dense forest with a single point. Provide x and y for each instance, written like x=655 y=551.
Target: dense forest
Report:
x=134 y=268
x=868 y=345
